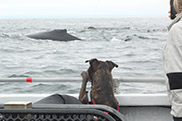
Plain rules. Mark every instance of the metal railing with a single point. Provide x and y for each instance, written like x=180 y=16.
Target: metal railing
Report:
x=66 y=112
x=76 y=79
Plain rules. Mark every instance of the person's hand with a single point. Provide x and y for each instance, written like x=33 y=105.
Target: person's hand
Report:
x=170 y=14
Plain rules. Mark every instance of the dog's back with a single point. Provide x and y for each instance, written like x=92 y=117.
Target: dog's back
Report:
x=102 y=82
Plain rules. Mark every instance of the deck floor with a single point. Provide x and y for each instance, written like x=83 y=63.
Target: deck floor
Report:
x=146 y=113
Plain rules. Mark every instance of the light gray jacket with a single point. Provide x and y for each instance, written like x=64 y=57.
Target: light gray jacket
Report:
x=172 y=60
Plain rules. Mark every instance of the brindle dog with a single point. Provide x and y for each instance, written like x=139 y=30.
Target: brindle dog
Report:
x=99 y=73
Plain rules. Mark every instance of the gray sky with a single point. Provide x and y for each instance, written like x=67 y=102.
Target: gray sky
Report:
x=82 y=8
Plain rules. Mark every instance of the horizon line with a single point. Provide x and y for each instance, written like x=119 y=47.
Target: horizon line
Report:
x=62 y=17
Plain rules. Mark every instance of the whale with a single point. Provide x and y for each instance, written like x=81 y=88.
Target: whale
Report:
x=57 y=35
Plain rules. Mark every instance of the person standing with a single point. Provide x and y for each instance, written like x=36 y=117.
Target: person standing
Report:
x=172 y=60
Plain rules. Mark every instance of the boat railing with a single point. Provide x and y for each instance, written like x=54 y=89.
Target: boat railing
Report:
x=117 y=80
x=64 y=112
x=123 y=99
x=76 y=79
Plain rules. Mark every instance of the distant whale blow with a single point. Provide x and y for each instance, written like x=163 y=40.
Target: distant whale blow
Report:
x=57 y=34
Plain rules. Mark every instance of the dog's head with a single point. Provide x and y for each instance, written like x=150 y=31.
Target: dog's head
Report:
x=99 y=65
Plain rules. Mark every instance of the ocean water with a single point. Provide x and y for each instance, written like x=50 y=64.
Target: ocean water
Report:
x=134 y=43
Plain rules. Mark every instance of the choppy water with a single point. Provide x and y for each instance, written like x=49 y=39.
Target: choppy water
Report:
x=135 y=44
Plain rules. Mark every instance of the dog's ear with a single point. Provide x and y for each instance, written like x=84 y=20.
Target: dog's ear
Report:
x=111 y=64
x=93 y=64
x=93 y=67
x=92 y=61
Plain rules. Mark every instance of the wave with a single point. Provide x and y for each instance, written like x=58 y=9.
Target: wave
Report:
x=156 y=30
x=92 y=28
x=135 y=37
x=128 y=38
x=115 y=40
x=12 y=36
x=16 y=75
x=4 y=35
x=40 y=88
x=125 y=28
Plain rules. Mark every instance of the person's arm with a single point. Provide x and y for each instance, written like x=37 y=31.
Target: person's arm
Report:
x=173 y=58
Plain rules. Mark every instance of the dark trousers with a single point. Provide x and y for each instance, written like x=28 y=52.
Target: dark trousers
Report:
x=177 y=119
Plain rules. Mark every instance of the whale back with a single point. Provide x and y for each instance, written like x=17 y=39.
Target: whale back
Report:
x=58 y=34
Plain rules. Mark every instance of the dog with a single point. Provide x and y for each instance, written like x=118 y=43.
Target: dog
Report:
x=99 y=74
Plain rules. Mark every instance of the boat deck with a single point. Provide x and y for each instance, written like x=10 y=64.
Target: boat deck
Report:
x=134 y=107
